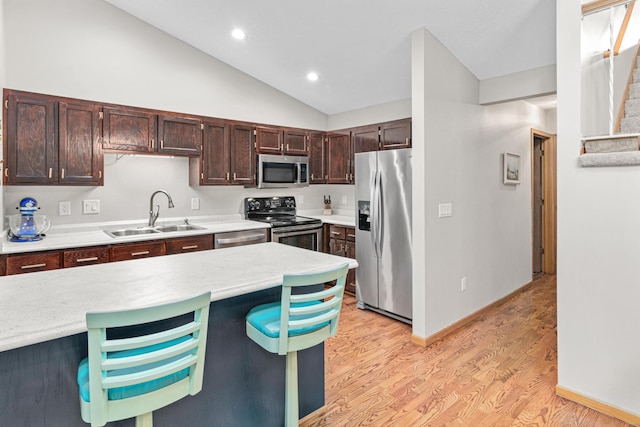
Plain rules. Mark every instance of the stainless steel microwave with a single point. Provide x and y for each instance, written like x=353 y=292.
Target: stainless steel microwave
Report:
x=282 y=171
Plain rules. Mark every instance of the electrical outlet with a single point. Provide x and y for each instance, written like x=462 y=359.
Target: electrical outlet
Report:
x=301 y=199
x=64 y=208
x=344 y=200
x=195 y=203
x=463 y=284
x=90 y=207
x=445 y=210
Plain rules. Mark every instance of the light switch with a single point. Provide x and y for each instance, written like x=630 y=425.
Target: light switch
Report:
x=445 y=210
x=195 y=203
x=90 y=207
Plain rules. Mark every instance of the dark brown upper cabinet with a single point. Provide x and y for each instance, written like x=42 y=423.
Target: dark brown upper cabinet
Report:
x=395 y=135
x=269 y=140
x=213 y=167
x=296 y=142
x=81 y=159
x=365 y=138
x=51 y=140
x=130 y=130
x=317 y=158
x=243 y=158
x=339 y=158
x=179 y=135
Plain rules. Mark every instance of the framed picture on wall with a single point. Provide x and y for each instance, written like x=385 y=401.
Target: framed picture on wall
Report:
x=511 y=172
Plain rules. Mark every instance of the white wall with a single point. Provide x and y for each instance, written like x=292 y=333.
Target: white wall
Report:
x=598 y=249
x=3 y=63
x=95 y=51
x=375 y=114
x=521 y=85
x=488 y=238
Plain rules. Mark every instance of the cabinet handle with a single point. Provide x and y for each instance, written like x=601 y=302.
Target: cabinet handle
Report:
x=335 y=232
x=351 y=177
x=341 y=248
x=287 y=147
x=162 y=143
x=27 y=267
x=351 y=235
x=93 y=258
x=346 y=176
x=282 y=146
x=406 y=141
x=6 y=172
x=50 y=173
x=100 y=174
x=234 y=176
x=326 y=177
x=227 y=176
x=311 y=177
x=139 y=253
x=152 y=143
x=61 y=173
x=190 y=247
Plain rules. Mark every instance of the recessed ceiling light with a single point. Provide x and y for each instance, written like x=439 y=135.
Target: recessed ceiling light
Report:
x=238 y=34
x=313 y=76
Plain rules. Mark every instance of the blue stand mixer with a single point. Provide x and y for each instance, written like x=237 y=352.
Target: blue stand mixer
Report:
x=27 y=226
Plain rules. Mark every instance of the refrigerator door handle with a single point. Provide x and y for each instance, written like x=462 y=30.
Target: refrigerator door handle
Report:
x=376 y=214
x=372 y=211
x=379 y=213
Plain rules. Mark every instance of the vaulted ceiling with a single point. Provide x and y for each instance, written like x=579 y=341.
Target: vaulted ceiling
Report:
x=360 y=48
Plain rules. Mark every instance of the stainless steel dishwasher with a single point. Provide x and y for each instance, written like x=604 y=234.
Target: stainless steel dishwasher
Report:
x=239 y=238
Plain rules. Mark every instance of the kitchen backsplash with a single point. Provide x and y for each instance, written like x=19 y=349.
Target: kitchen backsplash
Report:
x=130 y=180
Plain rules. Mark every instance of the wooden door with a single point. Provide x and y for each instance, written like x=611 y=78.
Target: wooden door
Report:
x=296 y=142
x=339 y=156
x=81 y=158
x=396 y=134
x=243 y=163
x=31 y=149
x=179 y=135
x=128 y=129
x=317 y=158
x=365 y=138
x=269 y=140
x=538 y=202
x=216 y=154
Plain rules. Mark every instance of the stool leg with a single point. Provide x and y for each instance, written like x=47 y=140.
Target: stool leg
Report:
x=291 y=391
x=145 y=420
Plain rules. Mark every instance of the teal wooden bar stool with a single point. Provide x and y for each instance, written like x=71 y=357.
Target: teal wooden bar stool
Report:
x=298 y=322
x=132 y=377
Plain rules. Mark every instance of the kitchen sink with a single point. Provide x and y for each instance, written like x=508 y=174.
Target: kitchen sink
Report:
x=130 y=232
x=150 y=230
x=181 y=227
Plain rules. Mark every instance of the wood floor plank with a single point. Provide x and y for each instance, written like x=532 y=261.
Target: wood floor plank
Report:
x=498 y=371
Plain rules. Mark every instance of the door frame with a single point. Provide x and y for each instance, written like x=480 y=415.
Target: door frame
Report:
x=549 y=195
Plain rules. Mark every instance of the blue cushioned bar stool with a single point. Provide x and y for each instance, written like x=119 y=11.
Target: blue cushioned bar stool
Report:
x=133 y=376
x=298 y=322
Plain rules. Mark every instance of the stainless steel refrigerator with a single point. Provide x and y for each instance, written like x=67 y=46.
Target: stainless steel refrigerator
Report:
x=383 y=232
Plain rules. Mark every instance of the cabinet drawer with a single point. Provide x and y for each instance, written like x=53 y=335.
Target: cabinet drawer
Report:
x=336 y=232
x=18 y=264
x=350 y=234
x=136 y=250
x=189 y=244
x=85 y=256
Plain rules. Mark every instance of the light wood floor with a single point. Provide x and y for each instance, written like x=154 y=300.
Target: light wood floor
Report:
x=498 y=371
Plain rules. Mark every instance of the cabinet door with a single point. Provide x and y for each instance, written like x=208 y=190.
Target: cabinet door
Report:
x=269 y=140
x=28 y=263
x=350 y=252
x=129 y=129
x=365 y=138
x=215 y=154
x=317 y=158
x=189 y=244
x=85 y=256
x=337 y=247
x=31 y=149
x=81 y=158
x=128 y=251
x=296 y=142
x=397 y=134
x=243 y=169
x=339 y=159
x=179 y=135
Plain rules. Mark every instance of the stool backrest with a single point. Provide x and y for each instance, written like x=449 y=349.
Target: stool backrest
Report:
x=308 y=319
x=127 y=374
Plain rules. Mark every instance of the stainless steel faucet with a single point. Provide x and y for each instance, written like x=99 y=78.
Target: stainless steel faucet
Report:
x=154 y=216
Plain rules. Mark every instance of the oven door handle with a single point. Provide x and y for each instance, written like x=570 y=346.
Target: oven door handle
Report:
x=296 y=228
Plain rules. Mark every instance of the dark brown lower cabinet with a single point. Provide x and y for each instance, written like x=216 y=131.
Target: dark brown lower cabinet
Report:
x=85 y=256
x=189 y=244
x=342 y=242
x=128 y=251
x=28 y=263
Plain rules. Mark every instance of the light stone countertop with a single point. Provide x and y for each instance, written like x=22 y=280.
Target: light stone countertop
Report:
x=46 y=305
x=75 y=236
x=346 y=218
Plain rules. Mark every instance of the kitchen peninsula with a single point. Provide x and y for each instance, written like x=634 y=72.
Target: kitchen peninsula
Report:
x=42 y=334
